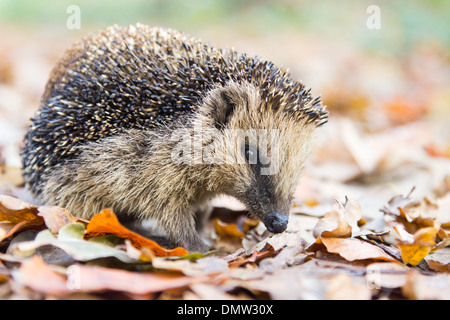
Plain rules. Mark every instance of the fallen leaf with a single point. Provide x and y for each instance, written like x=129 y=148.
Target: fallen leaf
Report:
x=106 y=222
x=227 y=230
x=434 y=151
x=342 y=222
x=397 y=202
x=332 y=225
x=286 y=284
x=424 y=241
x=16 y=215
x=431 y=287
x=352 y=249
x=254 y=257
x=15 y=211
x=70 y=240
x=56 y=217
x=402 y=110
x=203 y=291
x=439 y=261
x=345 y=287
x=39 y=276
x=201 y=266
x=95 y=279
x=386 y=275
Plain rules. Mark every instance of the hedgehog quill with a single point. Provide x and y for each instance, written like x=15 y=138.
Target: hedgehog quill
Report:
x=121 y=109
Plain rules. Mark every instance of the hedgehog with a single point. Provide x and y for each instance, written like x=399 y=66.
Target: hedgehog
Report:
x=120 y=117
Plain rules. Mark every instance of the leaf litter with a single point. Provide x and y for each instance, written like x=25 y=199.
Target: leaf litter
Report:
x=334 y=258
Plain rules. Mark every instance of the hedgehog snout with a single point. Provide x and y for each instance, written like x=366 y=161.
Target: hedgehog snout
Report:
x=276 y=222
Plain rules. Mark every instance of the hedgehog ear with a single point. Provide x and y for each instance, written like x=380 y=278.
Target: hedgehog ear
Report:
x=223 y=109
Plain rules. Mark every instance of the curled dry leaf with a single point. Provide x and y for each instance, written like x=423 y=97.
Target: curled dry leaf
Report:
x=332 y=225
x=16 y=215
x=439 y=261
x=424 y=242
x=397 y=202
x=342 y=222
x=256 y=256
x=106 y=222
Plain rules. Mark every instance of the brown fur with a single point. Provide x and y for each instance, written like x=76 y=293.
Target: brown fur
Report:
x=133 y=172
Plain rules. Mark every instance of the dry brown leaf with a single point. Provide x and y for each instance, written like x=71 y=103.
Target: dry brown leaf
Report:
x=333 y=225
x=14 y=210
x=106 y=222
x=352 y=249
x=339 y=223
x=56 y=217
x=256 y=256
x=397 y=202
x=16 y=215
x=439 y=261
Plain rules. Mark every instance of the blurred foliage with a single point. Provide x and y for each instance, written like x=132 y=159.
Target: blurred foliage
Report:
x=403 y=22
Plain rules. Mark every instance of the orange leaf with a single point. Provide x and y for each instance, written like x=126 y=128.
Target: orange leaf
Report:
x=227 y=230
x=424 y=241
x=14 y=210
x=401 y=111
x=256 y=256
x=16 y=215
x=435 y=151
x=106 y=222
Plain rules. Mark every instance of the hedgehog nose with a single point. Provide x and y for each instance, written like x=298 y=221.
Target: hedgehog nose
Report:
x=276 y=222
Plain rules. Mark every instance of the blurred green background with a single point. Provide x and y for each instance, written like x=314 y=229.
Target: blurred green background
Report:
x=403 y=22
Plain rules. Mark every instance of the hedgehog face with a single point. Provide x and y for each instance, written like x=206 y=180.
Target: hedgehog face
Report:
x=260 y=150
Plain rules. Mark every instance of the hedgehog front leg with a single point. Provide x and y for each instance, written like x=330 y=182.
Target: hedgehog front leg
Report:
x=181 y=231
